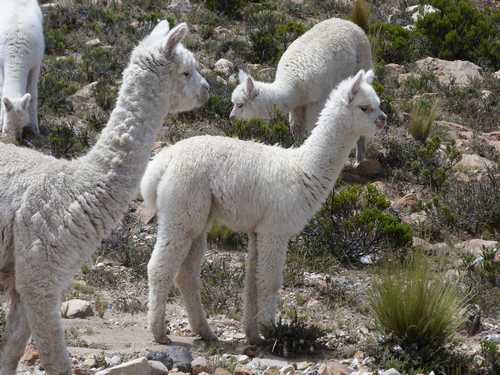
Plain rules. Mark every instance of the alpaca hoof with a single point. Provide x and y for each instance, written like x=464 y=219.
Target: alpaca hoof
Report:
x=163 y=339
x=255 y=340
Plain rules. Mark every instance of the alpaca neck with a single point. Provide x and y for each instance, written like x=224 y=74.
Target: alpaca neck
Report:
x=122 y=151
x=324 y=152
x=272 y=96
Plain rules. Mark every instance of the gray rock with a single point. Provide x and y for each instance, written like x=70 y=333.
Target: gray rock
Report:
x=391 y=371
x=135 y=367
x=162 y=357
x=458 y=72
x=181 y=6
x=181 y=357
x=199 y=365
x=76 y=308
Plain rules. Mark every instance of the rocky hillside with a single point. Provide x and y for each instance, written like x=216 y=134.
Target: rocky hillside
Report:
x=422 y=211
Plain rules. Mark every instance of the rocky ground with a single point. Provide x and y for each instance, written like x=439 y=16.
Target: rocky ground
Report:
x=105 y=311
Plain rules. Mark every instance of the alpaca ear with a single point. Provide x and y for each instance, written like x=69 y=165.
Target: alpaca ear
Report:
x=25 y=101
x=161 y=29
x=7 y=104
x=176 y=35
x=242 y=75
x=250 y=86
x=369 y=76
x=356 y=84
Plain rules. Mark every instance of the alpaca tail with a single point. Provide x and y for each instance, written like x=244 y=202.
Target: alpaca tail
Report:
x=149 y=186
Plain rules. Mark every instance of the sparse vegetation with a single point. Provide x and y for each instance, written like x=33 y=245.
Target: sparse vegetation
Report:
x=422 y=118
x=417 y=307
x=361 y=15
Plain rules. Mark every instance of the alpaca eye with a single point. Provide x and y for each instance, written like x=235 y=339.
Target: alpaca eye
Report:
x=364 y=108
x=239 y=105
x=186 y=74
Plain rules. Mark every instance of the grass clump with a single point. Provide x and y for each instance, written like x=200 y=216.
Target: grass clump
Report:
x=422 y=118
x=417 y=307
x=225 y=237
x=361 y=15
x=354 y=223
x=295 y=336
x=230 y=8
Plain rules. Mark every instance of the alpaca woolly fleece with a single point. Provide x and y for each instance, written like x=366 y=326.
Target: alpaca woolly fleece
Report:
x=54 y=213
x=268 y=192
x=21 y=53
x=307 y=72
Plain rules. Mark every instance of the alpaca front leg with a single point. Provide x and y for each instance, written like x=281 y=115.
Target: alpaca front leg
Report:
x=44 y=317
x=167 y=258
x=250 y=293
x=188 y=282
x=32 y=88
x=16 y=336
x=360 y=149
x=271 y=252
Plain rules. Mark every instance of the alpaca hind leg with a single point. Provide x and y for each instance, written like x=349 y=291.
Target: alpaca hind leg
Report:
x=271 y=250
x=250 y=293
x=297 y=123
x=33 y=90
x=188 y=282
x=16 y=336
x=360 y=149
x=168 y=255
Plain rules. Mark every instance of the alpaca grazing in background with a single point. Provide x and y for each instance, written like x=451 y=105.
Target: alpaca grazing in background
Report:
x=307 y=72
x=268 y=192
x=21 y=53
x=54 y=213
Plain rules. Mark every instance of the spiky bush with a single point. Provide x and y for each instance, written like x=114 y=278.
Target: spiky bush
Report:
x=417 y=307
x=422 y=118
x=293 y=337
x=354 y=223
x=361 y=14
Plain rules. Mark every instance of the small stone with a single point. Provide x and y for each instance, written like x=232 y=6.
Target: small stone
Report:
x=114 y=360
x=472 y=163
x=134 y=367
x=157 y=368
x=243 y=370
x=199 y=365
x=181 y=356
x=181 y=6
x=93 y=42
x=271 y=371
x=242 y=359
x=493 y=338
x=303 y=365
x=161 y=357
x=391 y=371
x=394 y=70
x=31 y=355
x=287 y=370
x=90 y=361
x=409 y=201
x=221 y=371
x=333 y=368
x=497 y=74
x=76 y=308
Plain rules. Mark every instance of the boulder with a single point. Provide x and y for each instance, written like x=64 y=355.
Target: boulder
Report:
x=333 y=368
x=180 y=6
x=447 y=72
x=223 y=67
x=199 y=365
x=420 y=11
x=472 y=163
x=394 y=70
x=84 y=99
x=76 y=308
x=221 y=371
x=475 y=246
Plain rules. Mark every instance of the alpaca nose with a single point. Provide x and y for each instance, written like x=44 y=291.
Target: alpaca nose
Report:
x=381 y=120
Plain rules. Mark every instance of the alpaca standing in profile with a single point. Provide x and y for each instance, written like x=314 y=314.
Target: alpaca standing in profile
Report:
x=21 y=53
x=268 y=192
x=54 y=213
x=307 y=72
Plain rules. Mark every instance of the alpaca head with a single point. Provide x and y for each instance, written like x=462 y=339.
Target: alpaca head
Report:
x=162 y=53
x=15 y=115
x=363 y=104
x=247 y=101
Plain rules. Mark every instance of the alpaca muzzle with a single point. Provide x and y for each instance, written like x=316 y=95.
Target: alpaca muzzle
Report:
x=381 y=121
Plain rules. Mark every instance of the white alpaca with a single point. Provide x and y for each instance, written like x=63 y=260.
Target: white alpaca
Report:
x=54 y=213
x=266 y=191
x=21 y=53
x=307 y=72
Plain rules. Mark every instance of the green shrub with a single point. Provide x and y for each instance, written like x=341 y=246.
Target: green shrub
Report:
x=225 y=237
x=417 y=307
x=353 y=223
x=293 y=337
x=461 y=31
x=491 y=355
x=392 y=43
x=230 y=8
x=275 y=131
x=422 y=118
x=270 y=34
x=361 y=15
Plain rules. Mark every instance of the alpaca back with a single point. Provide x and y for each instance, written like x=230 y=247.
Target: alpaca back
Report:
x=322 y=57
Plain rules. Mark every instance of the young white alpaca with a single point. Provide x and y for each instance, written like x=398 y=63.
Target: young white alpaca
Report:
x=21 y=53
x=306 y=74
x=266 y=191
x=54 y=213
